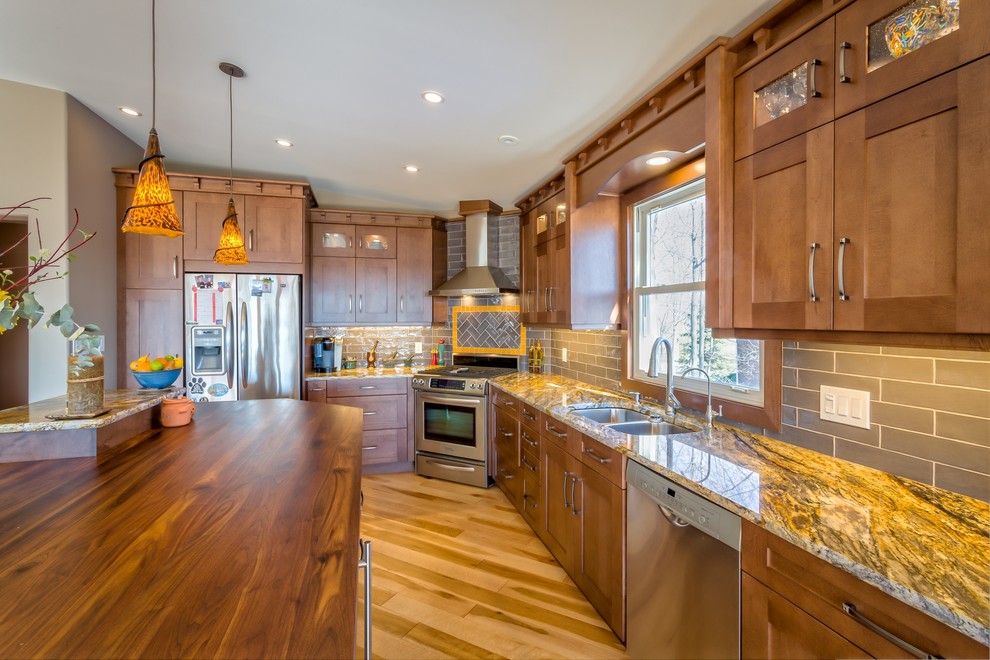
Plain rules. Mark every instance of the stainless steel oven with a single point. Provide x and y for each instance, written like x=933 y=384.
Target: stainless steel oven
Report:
x=451 y=418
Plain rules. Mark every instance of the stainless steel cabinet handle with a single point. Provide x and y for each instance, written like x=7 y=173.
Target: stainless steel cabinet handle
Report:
x=591 y=452
x=556 y=432
x=402 y=305
x=506 y=474
x=368 y=413
x=567 y=475
x=369 y=448
x=546 y=299
x=532 y=468
x=812 y=87
x=350 y=303
x=175 y=267
x=843 y=242
x=529 y=441
x=360 y=242
x=811 y=272
x=350 y=242
x=850 y=609
x=251 y=240
x=843 y=47
x=364 y=564
x=361 y=303
x=507 y=434
x=574 y=510
x=368 y=387
x=529 y=415
x=508 y=403
x=317 y=389
x=551 y=307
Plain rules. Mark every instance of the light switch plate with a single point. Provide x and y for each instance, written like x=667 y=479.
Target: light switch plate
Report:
x=850 y=407
x=418 y=347
x=563 y=355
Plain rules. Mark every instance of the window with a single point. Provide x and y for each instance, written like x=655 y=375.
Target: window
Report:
x=669 y=301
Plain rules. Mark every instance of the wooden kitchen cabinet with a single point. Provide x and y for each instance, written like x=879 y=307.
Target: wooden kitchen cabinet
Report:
x=203 y=214
x=505 y=431
x=793 y=607
x=377 y=272
x=272 y=227
x=151 y=262
x=860 y=210
x=386 y=435
x=570 y=268
x=152 y=326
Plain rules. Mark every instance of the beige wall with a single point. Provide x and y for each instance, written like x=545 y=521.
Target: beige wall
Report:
x=56 y=147
x=94 y=147
x=33 y=131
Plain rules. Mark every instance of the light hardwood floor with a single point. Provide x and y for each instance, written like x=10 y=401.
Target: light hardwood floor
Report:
x=457 y=573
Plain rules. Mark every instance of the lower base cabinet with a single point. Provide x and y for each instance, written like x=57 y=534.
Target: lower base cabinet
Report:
x=570 y=489
x=794 y=605
x=387 y=436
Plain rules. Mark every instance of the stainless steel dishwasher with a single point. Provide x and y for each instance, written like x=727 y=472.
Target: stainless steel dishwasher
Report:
x=682 y=571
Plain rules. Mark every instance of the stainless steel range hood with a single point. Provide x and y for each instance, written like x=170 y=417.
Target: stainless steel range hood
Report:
x=478 y=278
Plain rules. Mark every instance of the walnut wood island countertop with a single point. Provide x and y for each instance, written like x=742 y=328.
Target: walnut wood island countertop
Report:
x=235 y=536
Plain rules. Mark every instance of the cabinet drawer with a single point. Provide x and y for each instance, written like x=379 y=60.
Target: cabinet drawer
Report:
x=381 y=446
x=316 y=391
x=822 y=589
x=529 y=463
x=529 y=415
x=529 y=439
x=380 y=412
x=561 y=434
x=364 y=386
x=505 y=427
x=604 y=460
x=505 y=401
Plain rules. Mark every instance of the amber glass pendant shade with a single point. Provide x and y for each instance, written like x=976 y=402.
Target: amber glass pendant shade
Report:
x=153 y=209
x=231 y=249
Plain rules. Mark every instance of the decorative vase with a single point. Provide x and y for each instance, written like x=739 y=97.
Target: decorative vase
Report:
x=84 y=385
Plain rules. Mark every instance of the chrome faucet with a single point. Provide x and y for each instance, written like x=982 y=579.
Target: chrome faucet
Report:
x=671 y=404
x=710 y=413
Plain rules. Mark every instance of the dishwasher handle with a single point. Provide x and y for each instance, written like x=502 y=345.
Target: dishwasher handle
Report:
x=672 y=517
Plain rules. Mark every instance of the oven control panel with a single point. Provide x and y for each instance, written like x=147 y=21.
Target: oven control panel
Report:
x=471 y=386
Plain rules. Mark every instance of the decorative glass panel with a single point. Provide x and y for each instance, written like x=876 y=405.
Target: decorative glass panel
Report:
x=375 y=242
x=542 y=223
x=914 y=25
x=334 y=240
x=561 y=214
x=783 y=95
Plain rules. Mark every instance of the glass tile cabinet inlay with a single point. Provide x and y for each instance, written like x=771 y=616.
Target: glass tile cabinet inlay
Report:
x=914 y=25
x=783 y=95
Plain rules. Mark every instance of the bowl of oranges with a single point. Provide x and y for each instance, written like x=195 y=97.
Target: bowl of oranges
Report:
x=156 y=373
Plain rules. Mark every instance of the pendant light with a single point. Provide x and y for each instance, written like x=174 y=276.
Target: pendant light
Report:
x=231 y=251
x=153 y=209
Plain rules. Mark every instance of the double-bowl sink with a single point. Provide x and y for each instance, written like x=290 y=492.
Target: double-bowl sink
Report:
x=629 y=421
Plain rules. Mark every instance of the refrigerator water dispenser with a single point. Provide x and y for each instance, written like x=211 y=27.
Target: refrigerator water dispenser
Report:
x=208 y=350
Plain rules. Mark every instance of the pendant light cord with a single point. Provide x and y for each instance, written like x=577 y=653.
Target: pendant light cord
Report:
x=230 y=98
x=154 y=72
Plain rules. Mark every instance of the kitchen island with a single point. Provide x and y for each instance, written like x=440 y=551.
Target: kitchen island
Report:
x=235 y=536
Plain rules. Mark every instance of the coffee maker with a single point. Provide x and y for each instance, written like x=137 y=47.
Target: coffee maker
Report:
x=327 y=354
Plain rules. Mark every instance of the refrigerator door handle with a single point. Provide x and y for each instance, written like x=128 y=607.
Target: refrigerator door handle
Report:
x=243 y=345
x=228 y=343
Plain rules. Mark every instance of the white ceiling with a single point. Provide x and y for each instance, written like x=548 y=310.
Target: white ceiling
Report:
x=342 y=81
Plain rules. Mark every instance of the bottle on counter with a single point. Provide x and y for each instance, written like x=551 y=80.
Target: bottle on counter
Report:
x=440 y=359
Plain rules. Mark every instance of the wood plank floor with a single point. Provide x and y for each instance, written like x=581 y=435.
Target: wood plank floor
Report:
x=457 y=573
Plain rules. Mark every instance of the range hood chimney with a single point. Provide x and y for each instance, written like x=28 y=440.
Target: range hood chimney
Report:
x=477 y=278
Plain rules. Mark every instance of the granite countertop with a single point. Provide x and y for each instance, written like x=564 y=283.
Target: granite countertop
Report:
x=364 y=372
x=121 y=403
x=925 y=546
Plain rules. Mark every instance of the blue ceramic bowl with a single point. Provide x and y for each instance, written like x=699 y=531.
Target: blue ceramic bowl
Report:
x=156 y=379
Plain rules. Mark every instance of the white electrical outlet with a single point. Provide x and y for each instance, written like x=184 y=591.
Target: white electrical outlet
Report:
x=850 y=407
x=418 y=347
x=563 y=355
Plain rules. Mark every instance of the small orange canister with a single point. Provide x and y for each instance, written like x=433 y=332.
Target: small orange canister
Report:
x=177 y=412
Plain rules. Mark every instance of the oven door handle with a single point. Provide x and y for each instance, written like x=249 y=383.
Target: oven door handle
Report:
x=467 y=400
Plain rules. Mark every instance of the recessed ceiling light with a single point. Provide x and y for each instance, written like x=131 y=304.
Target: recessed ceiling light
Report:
x=700 y=166
x=508 y=139
x=412 y=168
x=130 y=112
x=282 y=142
x=432 y=97
x=658 y=160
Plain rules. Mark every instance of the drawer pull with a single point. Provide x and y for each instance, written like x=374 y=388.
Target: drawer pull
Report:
x=369 y=412
x=528 y=416
x=369 y=447
x=574 y=509
x=507 y=403
x=506 y=474
x=591 y=452
x=506 y=434
x=527 y=464
x=317 y=389
x=368 y=387
x=850 y=609
x=557 y=433
x=529 y=441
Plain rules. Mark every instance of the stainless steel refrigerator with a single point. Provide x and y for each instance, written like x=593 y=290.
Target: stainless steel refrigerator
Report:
x=243 y=336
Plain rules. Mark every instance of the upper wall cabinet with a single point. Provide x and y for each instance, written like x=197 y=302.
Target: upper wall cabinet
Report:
x=859 y=181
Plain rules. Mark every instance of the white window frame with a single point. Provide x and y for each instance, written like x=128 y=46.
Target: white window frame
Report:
x=695 y=382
